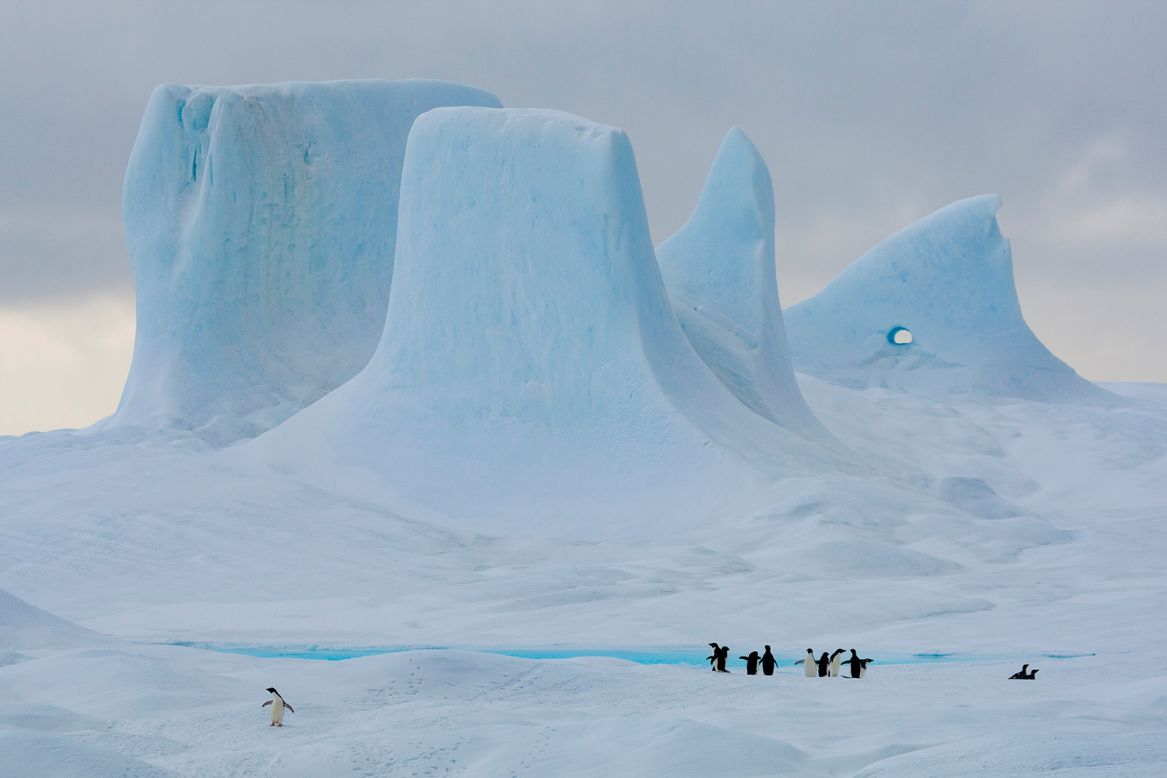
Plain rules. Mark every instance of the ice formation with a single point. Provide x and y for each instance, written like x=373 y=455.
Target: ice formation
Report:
x=948 y=281
x=720 y=274
x=530 y=359
x=261 y=223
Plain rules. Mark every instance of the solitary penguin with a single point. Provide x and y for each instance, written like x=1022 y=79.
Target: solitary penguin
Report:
x=810 y=667
x=768 y=662
x=824 y=665
x=1025 y=675
x=858 y=666
x=751 y=663
x=277 y=704
x=838 y=652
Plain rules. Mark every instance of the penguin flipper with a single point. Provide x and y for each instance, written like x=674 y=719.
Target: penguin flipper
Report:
x=266 y=704
x=289 y=707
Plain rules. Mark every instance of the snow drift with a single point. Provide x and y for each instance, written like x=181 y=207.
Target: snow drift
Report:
x=260 y=222
x=25 y=626
x=948 y=279
x=720 y=274
x=530 y=361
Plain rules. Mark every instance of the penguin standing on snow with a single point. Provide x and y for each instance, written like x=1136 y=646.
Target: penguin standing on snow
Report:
x=838 y=652
x=823 y=665
x=277 y=704
x=751 y=663
x=810 y=667
x=713 y=658
x=1025 y=675
x=768 y=662
x=858 y=666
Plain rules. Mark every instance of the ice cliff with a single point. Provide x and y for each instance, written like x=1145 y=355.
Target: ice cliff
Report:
x=720 y=274
x=261 y=223
x=948 y=280
x=531 y=364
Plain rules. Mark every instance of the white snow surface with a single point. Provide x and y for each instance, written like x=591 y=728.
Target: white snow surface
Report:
x=537 y=456
x=948 y=279
x=261 y=222
x=720 y=273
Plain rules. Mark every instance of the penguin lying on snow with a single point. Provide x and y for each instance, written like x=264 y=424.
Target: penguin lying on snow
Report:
x=277 y=707
x=1025 y=675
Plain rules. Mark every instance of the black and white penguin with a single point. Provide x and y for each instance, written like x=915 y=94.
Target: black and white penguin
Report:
x=713 y=658
x=858 y=666
x=277 y=704
x=824 y=665
x=810 y=667
x=722 y=658
x=838 y=652
x=751 y=663
x=1025 y=675
x=768 y=662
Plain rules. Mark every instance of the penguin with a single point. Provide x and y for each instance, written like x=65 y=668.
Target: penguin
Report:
x=722 y=658
x=768 y=662
x=713 y=659
x=823 y=665
x=751 y=663
x=835 y=661
x=810 y=666
x=858 y=666
x=277 y=704
x=1025 y=674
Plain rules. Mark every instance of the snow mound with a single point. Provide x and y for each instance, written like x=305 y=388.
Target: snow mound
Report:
x=719 y=271
x=530 y=359
x=948 y=281
x=261 y=222
x=25 y=626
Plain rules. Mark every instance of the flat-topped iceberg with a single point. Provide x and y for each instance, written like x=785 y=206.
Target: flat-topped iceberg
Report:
x=261 y=222
x=531 y=364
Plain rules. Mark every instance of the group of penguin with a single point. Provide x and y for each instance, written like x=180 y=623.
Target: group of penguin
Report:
x=825 y=666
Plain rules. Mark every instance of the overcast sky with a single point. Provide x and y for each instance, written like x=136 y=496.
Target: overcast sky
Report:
x=870 y=115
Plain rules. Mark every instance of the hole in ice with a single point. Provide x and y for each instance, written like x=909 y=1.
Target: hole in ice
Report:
x=899 y=336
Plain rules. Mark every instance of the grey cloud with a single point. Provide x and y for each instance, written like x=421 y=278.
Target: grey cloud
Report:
x=870 y=115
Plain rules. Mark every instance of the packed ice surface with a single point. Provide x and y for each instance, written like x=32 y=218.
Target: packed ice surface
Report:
x=720 y=274
x=260 y=222
x=948 y=279
x=530 y=340
x=530 y=363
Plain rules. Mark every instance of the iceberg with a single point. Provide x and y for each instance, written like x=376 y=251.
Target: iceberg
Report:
x=933 y=310
x=720 y=274
x=261 y=223
x=530 y=361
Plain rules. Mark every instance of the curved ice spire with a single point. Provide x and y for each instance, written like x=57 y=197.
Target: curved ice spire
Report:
x=948 y=279
x=720 y=275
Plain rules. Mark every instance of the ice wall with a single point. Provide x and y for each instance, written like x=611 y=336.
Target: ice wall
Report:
x=948 y=279
x=261 y=222
x=719 y=272
x=531 y=366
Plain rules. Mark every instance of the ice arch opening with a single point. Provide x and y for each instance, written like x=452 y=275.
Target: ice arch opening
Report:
x=899 y=336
